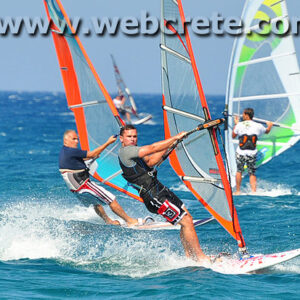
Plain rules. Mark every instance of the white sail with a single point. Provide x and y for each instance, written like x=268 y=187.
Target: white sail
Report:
x=264 y=75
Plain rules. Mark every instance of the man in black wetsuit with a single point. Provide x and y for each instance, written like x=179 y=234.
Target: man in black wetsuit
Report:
x=137 y=165
x=76 y=176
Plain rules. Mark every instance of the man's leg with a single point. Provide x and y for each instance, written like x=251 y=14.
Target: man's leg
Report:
x=107 y=197
x=251 y=164
x=252 y=180
x=238 y=178
x=189 y=239
x=118 y=210
x=101 y=213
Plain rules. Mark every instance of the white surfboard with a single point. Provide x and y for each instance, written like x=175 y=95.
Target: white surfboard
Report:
x=166 y=225
x=142 y=120
x=253 y=264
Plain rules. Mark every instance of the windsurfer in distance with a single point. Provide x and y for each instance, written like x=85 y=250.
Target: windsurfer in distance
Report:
x=76 y=176
x=137 y=164
x=119 y=103
x=247 y=131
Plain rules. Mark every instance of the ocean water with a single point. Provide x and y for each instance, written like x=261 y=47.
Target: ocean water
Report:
x=51 y=247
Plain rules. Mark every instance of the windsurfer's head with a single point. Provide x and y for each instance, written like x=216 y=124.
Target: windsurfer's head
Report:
x=128 y=135
x=70 y=138
x=248 y=113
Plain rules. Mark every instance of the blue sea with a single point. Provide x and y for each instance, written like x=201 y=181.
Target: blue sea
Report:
x=51 y=247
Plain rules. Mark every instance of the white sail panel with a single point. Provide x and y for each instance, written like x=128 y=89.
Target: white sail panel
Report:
x=264 y=75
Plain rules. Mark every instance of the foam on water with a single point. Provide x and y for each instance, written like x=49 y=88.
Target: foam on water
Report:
x=77 y=236
x=269 y=189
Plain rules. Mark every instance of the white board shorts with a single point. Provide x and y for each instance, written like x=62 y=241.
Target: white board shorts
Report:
x=89 y=193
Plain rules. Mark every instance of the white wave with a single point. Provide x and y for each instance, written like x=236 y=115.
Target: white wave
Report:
x=76 y=235
x=179 y=187
x=269 y=189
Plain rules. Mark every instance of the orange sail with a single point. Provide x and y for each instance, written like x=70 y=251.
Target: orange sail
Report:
x=197 y=160
x=95 y=114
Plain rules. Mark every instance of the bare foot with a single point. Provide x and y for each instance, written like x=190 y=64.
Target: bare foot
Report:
x=113 y=222
x=204 y=260
x=133 y=222
x=236 y=193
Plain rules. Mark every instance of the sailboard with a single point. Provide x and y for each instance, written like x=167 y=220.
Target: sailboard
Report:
x=95 y=114
x=197 y=160
x=264 y=75
x=157 y=225
x=124 y=90
x=253 y=264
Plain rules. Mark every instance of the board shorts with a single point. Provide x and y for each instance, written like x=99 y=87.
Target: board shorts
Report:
x=88 y=192
x=248 y=160
x=160 y=200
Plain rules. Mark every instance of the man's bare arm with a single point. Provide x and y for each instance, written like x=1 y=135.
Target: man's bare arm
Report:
x=96 y=152
x=153 y=153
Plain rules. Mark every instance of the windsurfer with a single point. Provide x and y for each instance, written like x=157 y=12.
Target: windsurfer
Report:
x=247 y=131
x=76 y=176
x=137 y=164
x=119 y=103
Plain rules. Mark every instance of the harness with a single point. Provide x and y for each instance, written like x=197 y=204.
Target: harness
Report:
x=248 y=142
x=74 y=181
x=140 y=176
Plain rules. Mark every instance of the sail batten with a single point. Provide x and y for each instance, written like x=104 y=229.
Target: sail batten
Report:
x=264 y=75
x=261 y=97
x=268 y=58
x=184 y=58
x=95 y=114
x=88 y=103
x=200 y=179
x=183 y=113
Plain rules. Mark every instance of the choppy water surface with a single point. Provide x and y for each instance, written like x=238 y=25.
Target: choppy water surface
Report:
x=51 y=247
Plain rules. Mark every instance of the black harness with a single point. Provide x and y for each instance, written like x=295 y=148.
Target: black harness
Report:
x=248 y=142
x=140 y=176
x=81 y=177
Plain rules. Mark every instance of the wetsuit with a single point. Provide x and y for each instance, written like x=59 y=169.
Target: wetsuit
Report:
x=246 y=152
x=157 y=198
x=76 y=177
